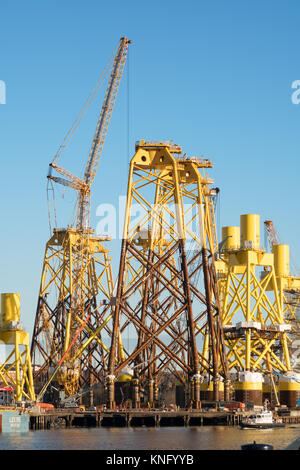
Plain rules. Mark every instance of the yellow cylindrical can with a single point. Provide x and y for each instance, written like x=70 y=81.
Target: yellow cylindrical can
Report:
x=10 y=309
x=207 y=389
x=281 y=259
x=289 y=389
x=249 y=387
x=233 y=242
x=250 y=231
x=124 y=378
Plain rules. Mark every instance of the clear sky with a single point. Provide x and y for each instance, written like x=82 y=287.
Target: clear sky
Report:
x=215 y=77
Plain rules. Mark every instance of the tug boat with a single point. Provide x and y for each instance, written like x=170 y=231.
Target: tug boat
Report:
x=262 y=420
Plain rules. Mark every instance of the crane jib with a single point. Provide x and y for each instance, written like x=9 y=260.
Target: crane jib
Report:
x=106 y=111
x=83 y=186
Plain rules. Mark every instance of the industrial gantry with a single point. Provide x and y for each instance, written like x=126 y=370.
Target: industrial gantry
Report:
x=166 y=301
x=73 y=312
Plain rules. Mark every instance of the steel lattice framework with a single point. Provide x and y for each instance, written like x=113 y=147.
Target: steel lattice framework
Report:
x=16 y=368
x=288 y=285
x=76 y=277
x=55 y=325
x=256 y=332
x=167 y=301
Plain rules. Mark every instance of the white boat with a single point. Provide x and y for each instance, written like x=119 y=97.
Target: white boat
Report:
x=261 y=420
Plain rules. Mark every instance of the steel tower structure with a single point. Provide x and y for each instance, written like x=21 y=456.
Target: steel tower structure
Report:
x=256 y=332
x=288 y=284
x=289 y=288
x=166 y=300
x=16 y=368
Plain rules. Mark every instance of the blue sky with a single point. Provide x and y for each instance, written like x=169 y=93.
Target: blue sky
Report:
x=215 y=77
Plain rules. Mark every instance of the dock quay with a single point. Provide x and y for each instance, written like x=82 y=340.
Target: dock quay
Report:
x=132 y=418
x=137 y=418
x=68 y=418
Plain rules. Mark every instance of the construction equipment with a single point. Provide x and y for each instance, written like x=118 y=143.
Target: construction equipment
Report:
x=83 y=186
x=271 y=234
x=76 y=272
x=72 y=401
x=272 y=237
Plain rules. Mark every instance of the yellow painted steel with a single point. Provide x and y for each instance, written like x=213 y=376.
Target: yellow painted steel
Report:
x=124 y=378
x=288 y=285
x=16 y=369
x=10 y=309
x=289 y=386
x=267 y=388
x=209 y=386
x=173 y=198
x=250 y=231
x=70 y=278
x=158 y=166
x=233 y=242
x=281 y=259
x=60 y=277
x=252 y=305
x=241 y=385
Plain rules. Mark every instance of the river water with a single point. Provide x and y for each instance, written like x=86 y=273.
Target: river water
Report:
x=142 y=438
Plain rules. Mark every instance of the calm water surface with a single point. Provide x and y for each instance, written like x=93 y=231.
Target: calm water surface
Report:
x=173 y=438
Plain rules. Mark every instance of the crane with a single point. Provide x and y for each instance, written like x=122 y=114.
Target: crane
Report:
x=69 y=324
x=274 y=239
x=83 y=186
x=271 y=233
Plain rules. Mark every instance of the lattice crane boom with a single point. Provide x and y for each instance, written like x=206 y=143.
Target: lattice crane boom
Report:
x=80 y=268
x=273 y=238
x=106 y=112
x=83 y=185
x=271 y=233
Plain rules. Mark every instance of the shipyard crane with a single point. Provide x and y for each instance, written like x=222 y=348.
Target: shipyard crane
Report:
x=271 y=233
x=70 y=284
x=83 y=186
